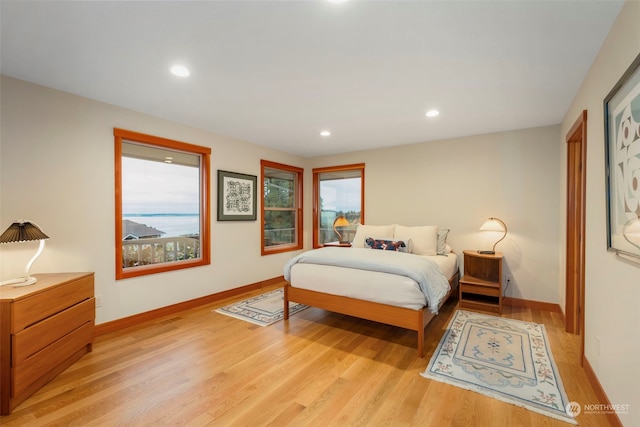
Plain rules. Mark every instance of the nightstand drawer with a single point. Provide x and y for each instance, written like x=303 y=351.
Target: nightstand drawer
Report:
x=492 y=307
x=480 y=290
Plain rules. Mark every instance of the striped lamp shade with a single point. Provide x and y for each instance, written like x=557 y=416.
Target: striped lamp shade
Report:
x=22 y=231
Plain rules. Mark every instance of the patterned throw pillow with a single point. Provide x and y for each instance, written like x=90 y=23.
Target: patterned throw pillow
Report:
x=386 y=245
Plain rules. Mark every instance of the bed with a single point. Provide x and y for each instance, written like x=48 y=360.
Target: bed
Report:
x=393 y=274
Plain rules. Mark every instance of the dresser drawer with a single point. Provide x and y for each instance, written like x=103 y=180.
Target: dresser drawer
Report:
x=33 y=309
x=33 y=339
x=41 y=363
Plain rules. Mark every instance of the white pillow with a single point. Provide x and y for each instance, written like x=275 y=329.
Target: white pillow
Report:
x=424 y=239
x=363 y=231
x=442 y=240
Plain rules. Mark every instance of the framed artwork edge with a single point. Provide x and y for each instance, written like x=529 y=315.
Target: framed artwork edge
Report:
x=622 y=140
x=250 y=200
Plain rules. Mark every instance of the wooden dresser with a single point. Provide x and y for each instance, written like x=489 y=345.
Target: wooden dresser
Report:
x=44 y=329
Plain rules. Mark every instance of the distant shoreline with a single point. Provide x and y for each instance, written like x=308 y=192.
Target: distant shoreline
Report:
x=171 y=224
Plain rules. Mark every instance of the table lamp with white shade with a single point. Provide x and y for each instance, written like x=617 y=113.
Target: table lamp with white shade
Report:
x=494 y=224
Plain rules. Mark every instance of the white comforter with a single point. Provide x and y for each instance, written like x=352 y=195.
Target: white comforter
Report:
x=433 y=284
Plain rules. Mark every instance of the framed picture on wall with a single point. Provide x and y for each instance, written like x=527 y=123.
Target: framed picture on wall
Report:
x=622 y=139
x=237 y=197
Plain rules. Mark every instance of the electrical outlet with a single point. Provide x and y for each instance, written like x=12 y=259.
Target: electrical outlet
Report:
x=507 y=278
x=98 y=300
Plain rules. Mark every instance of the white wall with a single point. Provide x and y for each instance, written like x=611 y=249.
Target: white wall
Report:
x=57 y=169
x=459 y=183
x=612 y=317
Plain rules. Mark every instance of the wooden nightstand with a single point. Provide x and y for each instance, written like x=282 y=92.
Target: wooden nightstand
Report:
x=337 y=244
x=481 y=284
x=44 y=329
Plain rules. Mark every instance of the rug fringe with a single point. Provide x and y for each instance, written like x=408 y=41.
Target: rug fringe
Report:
x=500 y=398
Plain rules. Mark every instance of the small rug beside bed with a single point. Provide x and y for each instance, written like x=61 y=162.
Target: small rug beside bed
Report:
x=264 y=309
x=506 y=359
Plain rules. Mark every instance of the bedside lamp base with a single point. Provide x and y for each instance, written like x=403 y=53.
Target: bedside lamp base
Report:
x=23 y=281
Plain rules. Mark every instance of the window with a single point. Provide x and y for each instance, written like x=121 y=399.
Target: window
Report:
x=338 y=192
x=162 y=204
x=281 y=207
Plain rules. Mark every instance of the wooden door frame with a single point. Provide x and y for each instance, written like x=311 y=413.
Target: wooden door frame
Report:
x=575 y=246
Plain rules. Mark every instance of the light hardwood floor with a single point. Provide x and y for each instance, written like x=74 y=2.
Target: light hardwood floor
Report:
x=200 y=368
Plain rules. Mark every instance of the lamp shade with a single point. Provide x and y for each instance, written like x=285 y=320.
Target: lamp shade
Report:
x=22 y=231
x=341 y=222
x=494 y=224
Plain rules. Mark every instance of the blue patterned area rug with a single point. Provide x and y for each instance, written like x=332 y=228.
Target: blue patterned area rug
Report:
x=506 y=359
x=263 y=309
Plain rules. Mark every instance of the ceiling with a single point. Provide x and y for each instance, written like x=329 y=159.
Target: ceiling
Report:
x=276 y=73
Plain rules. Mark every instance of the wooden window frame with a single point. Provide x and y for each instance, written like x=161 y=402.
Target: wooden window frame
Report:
x=299 y=210
x=205 y=222
x=316 y=195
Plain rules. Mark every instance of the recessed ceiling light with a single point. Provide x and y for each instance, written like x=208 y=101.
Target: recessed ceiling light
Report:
x=325 y=133
x=336 y=1
x=180 y=71
x=433 y=113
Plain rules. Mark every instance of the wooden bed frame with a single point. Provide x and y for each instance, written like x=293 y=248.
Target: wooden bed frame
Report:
x=415 y=320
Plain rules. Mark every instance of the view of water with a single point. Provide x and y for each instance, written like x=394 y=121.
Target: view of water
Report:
x=171 y=224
